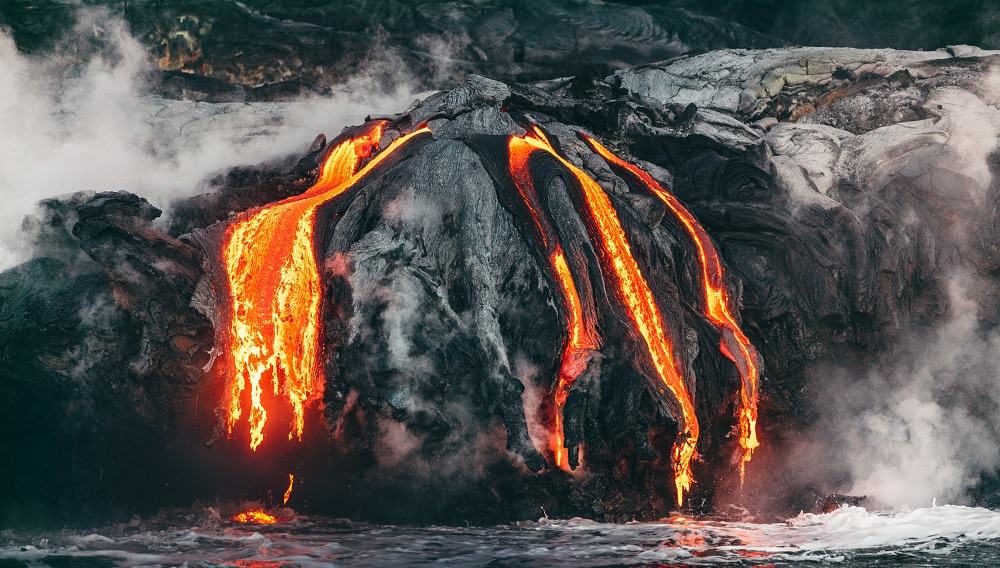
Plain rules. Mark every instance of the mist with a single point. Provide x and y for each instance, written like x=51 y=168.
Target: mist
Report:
x=83 y=117
x=920 y=425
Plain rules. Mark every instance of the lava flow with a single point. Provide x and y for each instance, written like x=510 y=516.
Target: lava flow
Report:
x=288 y=492
x=581 y=337
x=620 y=265
x=716 y=303
x=254 y=517
x=274 y=284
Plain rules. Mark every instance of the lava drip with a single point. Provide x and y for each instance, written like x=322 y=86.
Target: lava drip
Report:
x=713 y=280
x=274 y=284
x=622 y=269
x=581 y=336
x=288 y=491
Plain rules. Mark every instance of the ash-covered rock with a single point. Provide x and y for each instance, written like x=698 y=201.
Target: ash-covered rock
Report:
x=838 y=227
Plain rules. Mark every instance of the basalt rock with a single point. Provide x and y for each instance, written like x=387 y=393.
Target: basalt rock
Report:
x=840 y=187
x=201 y=48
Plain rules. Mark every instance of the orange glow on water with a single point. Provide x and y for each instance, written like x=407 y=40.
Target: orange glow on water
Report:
x=254 y=517
x=274 y=284
x=581 y=336
x=620 y=265
x=716 y=304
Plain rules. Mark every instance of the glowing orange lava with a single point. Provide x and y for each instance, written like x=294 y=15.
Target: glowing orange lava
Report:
x=254 y=517
x=274 y=284
x=581 y=337
x=716 y=304
x=288 y=492
x=634 y=292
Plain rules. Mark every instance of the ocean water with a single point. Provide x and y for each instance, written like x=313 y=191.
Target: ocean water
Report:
x=849 y=537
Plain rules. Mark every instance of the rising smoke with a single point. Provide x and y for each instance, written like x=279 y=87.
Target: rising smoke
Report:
x=921 y=425
x=85 y=117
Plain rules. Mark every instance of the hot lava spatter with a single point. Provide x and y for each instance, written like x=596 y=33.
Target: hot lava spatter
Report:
x=581 y=336
x=254 y=517
x=274 y=284
x=623 y=272
x=716 y=300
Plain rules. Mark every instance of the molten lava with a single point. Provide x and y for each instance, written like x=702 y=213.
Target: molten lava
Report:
x=623 y=271
x=288 y=492
x=274 y=284
x=581 y=337
x=716 y=304
x=254 y=517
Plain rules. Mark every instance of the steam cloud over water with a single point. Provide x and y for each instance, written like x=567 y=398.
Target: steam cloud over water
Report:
x=921 y=426
x=84 y=118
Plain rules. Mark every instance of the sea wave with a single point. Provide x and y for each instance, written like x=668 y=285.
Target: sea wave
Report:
x=849 y=536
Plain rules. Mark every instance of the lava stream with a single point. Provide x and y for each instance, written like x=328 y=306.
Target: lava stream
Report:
x=633 y=290
x=274 y=283
x=288 y=492
x=254 y=517
x=581 y=337
x=716 y=303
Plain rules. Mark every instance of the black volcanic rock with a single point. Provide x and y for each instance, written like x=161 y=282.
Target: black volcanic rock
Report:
x=272 y=49
x=442 y=325
x=268 y=50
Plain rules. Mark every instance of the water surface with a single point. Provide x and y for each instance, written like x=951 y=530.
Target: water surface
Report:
x=850 y=537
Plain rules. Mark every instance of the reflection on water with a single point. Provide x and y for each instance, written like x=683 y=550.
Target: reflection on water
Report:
x=851 y=536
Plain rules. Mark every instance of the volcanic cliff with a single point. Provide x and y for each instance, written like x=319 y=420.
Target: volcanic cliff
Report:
x=838 y=188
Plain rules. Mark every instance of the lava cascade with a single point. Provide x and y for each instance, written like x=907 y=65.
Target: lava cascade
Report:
x=620 y=265
x=581 y=337
x=288 y=492
x=716 y=303
x=274 y=284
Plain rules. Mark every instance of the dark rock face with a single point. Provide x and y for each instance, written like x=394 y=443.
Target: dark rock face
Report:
x=907 y=24
x=443 y=329
x=98 y=347
x=203 y=50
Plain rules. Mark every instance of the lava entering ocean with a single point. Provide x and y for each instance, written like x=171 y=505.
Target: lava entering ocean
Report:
x=716 y=303
x=274 y=284
x=275 y=289
x=633 y=291
x=581 y=336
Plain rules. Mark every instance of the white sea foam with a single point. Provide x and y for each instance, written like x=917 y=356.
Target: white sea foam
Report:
x=848 y=536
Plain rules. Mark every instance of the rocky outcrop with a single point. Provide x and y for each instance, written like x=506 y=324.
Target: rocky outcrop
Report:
x=841 y=188
x=201 y=47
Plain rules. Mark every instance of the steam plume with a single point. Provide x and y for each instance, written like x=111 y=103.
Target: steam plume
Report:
x=84 y=117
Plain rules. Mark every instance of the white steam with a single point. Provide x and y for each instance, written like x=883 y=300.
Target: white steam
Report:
x=923 y=425
x=76 y=120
